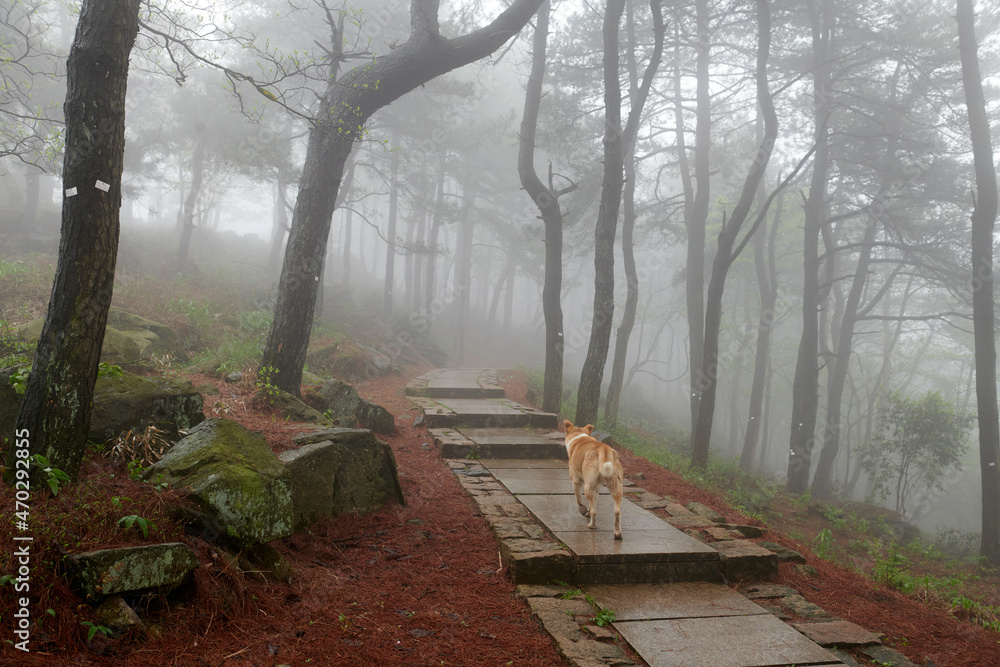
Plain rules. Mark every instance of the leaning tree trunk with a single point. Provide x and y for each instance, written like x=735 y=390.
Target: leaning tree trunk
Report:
x=592 y=375
x=805 y=386
x=55 y=413
x=983 y=219
x=347 y=105
x=707 y=378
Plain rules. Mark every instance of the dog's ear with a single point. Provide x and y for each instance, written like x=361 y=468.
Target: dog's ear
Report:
x=589 y=428
x=568 y=424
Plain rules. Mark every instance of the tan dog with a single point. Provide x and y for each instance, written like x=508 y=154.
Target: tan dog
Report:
x=592 y=463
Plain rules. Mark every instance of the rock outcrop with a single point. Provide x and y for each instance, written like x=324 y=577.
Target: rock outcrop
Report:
x=132 y=402
x=240 y=486
x=157 y=567
x=344 y=404
x=340 y=471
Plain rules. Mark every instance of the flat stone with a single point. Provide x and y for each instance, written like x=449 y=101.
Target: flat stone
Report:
x=559 y=513
x=636 y=602
x=540 y=591
x=651 y=572
x=707 y=512
x=557 y=616
x=691 y=521
x=799 y=606
x=839 y=633
x=746 y=531
x=847 y=658
x=485 y=413
x=600 y=547
x=743 y=560
x=729 y=641
x=719 y=534
x=886 y=655
x=537 y=567
x=784 y=554
x=766 y=591
x=553 y=481
x=676 y=509
x=505 y=464
x=109 y=571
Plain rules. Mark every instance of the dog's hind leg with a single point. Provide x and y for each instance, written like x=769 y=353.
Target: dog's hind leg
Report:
x=615 y=487
x=577 y=485
x=591 y=490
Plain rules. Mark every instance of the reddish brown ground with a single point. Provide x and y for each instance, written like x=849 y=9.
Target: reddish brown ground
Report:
x=413 y=585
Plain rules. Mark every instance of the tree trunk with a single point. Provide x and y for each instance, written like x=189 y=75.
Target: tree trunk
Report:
x=637 y=101
x=546 y=198
x=708 y=378
x=696 y=207
x=187 y=219
x=592 y=375
x=430 y=279
x=805 y=386
x=345 y=271
x=55 y=413
x=347 y=104
x=983 y=219
x=767 y=285
x=838 y=367
x=280 y=224
x=463 y=272
x=390 y=253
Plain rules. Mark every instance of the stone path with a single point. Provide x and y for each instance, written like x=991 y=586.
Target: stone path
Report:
x=665 y=588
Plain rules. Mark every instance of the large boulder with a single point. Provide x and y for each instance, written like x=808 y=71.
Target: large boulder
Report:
x=340 y=471
x=352 y=360
x=128 y=338
x=241 y=487
x=345 y=405
x=132 y=402
x=160 y=567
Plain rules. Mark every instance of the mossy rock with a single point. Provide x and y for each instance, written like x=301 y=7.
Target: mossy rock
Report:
x=128 y=338
x=291 y=407
x=132 y=402
x=347 y=407
x=233 y=476
x=160 y=567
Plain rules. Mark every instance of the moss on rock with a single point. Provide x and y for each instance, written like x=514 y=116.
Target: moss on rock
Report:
x=235 y=479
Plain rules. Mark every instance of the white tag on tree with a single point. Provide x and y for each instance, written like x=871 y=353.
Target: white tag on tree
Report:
x=70 y=192
x=101 y=185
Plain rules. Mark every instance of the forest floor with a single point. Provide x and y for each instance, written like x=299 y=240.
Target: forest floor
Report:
x=419 y=584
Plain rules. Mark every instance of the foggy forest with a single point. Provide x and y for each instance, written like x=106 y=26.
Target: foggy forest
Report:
x=755 y=236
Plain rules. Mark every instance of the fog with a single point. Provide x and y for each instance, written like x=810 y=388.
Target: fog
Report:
x=231 y=91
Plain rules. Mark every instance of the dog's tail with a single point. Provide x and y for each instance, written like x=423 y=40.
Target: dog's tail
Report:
x=608 y=469
x=608 y=457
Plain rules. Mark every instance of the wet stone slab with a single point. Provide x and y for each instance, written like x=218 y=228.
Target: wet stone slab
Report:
x=728 y=641
x=483 y=413
x=538 y=481
x=524 y=464
x=637 y=602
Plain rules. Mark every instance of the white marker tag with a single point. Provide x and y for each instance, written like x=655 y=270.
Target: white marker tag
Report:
x=70 y=192
x=102 y=186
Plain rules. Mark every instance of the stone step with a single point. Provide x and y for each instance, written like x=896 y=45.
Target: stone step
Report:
x=482 y=413
x=499 y=443
x=456 y=383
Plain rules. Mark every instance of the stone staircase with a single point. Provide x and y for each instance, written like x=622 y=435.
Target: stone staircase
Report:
x=665 y=590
